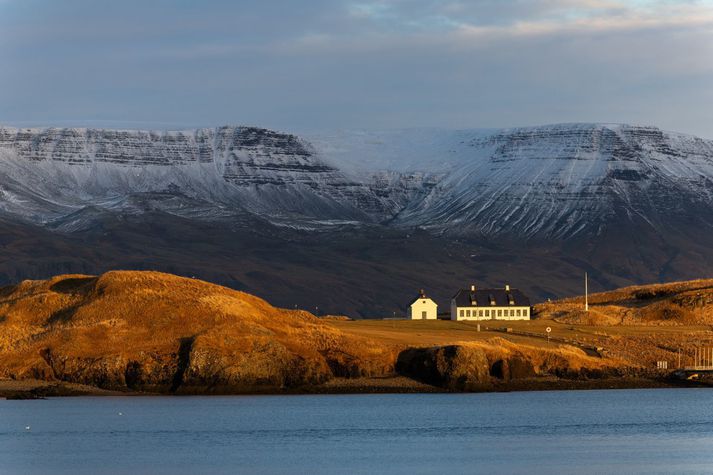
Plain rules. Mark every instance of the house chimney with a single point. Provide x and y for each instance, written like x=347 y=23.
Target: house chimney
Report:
x=507 y=287
x=472 y=288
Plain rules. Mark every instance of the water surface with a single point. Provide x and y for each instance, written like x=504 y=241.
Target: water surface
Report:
x=624 y=431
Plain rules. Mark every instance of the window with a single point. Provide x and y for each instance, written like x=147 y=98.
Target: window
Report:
x=512 y=313
x=423 y=315
x=487 y=313
x=526 y=312
x=480 y=313
x=462 y=312
x=500 y=313
x=519 y=312
x=467 y=313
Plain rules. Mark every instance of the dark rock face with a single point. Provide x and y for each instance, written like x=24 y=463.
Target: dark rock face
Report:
x=515 y=367
x=197 y=367
x=152 y=373
x=465 y=368
x=453 y=367
x=82 y=146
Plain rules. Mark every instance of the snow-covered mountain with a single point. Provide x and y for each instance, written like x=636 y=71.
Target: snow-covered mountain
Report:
x=554 y=181
x=565 y=180
x=356 y=221
x=49 y=174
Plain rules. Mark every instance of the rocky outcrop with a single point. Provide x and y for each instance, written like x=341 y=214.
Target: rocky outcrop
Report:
x=515 y=367
x=454 y=367
x=498 y=364
x=463 y=368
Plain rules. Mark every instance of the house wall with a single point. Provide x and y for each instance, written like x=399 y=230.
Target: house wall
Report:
x=490 y=313
x=415 y=311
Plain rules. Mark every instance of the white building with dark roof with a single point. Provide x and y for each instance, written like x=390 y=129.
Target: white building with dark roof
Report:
x=490 y=304
x=422 y=308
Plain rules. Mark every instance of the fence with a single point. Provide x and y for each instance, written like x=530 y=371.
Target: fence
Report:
x=702 y=359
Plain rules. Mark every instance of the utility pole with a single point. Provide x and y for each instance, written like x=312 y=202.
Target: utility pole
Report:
x=586 y=293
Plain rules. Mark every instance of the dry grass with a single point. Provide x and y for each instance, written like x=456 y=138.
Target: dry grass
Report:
x=676 y=303
x=148 y=330
x=542 y=358
x=633 y=346
x=84 y=326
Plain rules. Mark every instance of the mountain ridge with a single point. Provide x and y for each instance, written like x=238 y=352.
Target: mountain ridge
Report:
x=579 y=173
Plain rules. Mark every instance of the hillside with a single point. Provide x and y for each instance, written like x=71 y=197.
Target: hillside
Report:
x=153 y=331
x=148 y=331
x=675 y=303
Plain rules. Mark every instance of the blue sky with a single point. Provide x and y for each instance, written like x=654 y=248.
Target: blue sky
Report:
x=329 y=64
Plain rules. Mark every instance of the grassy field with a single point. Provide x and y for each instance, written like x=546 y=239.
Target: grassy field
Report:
x=639 y=325
x=640 y=345
x=440 y=332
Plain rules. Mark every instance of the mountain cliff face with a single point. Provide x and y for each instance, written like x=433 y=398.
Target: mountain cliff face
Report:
x=49 y=174
x=543 y=182
x=557 y=181
x=627 y=203
x=562 y=181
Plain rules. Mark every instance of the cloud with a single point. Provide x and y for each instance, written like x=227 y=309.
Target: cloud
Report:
x=368 y=63
x=529 y=17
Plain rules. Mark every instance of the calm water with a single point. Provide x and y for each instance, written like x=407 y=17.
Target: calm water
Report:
x=632 y=431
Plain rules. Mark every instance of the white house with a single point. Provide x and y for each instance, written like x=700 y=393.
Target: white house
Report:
x=422 y=308
x=490 y=304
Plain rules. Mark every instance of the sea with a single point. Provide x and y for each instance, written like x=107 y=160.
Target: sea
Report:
x=643 y=431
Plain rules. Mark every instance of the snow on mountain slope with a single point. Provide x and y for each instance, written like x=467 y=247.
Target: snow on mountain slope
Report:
x=565 y=180
x=46 y=174
x=554 y=181
x=436 y=151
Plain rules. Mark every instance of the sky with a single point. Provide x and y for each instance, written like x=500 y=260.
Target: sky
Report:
x=311 y=65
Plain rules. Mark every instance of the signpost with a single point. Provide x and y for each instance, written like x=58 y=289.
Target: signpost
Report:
x=548 y=330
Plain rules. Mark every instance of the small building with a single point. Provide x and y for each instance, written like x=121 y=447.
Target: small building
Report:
x=422 y=308
x=490 y=304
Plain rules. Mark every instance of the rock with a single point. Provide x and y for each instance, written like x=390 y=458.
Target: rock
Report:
x=455 y=367
x=520 y=368
x=514 y=367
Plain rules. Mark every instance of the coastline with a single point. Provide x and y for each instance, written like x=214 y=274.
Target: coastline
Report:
x=205 y=339
x=38 y=389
